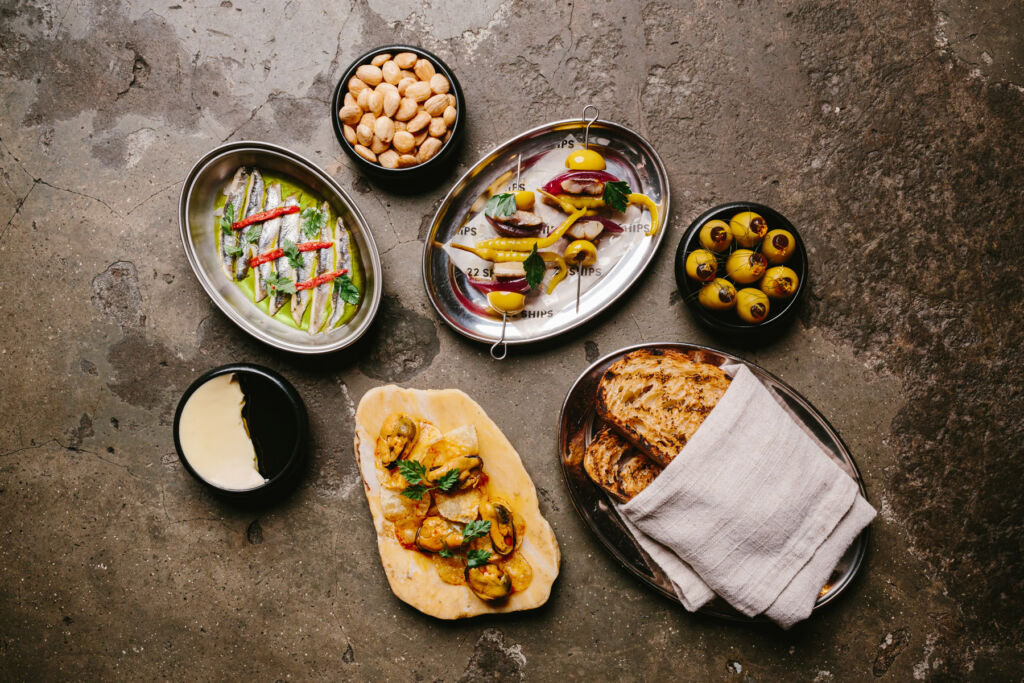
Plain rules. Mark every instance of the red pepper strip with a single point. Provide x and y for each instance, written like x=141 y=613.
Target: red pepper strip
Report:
x=275 y=254
x=319 y=280
x=265 y=216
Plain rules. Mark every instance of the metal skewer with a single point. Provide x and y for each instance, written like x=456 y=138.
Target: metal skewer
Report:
x=501 y=340
x=579 y=281
x=586 y=130
x=519 y=170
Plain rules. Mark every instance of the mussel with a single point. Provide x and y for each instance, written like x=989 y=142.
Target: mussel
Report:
x=489 y=582
x=468 y=467
x=397 y=438
x=437 y=533
x=503 y=528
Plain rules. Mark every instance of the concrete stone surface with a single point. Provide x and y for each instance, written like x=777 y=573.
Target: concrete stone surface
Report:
x=889 y=133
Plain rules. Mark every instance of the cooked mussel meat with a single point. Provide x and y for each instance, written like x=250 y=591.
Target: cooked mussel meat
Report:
x=489 y=582
x=397 y=438
x=503 y=529
x=436 y=534
x=467 y=466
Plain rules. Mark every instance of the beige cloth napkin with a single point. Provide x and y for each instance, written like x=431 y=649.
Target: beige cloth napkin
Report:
x=752 y=509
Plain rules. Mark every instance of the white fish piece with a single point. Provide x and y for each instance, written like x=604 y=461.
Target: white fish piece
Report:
x=236 y=195
x=253 y=204
x=267 y=241
x=342 y=260
x=324 y=264
x=289 y=233
x=300 y=300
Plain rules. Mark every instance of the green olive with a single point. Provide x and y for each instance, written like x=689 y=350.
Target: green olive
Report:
x=745 y=266
x=716 y=236
x=779 y=282
x=778 y=246
x=702 y=265
x=718 y=295
x=752 y=305
x=748 y=228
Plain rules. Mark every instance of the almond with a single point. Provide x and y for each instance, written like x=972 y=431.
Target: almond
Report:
x=350 y=114
x=406 y=60
x=428 y=149
x=369 y=74
x=364 y=134
x=439 y=84
x=418 y=91
x=403 y=141
x=365 y=153
x=436 y=105
x=380 y=59
x=406 y=109
x=392 y=74
x=418 y=122
x=424 y=70
x=384 y=128
x=389 y=159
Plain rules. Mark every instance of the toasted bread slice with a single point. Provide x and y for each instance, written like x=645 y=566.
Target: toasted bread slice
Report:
x=657 y=398
x=614 y=465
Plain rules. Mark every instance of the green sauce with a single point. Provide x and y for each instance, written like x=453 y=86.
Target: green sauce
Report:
x=306 y=199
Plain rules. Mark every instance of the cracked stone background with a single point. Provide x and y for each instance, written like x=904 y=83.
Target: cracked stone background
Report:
x=891 y=134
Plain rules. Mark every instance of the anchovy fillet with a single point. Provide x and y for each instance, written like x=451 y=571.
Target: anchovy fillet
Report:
x=324 y=264
x=267 y=241
x=253 y=205
x=342 y=260
x=300 y=300
x=289 y=232
x=235 y=193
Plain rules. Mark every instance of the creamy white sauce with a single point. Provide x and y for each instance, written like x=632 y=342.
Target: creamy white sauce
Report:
x=213 y=436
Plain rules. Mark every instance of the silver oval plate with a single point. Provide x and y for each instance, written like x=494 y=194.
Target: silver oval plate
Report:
x=463 y=308
x=207 y=180
x=578 y=423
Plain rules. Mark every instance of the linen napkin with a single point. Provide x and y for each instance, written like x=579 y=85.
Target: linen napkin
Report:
x=752 y=509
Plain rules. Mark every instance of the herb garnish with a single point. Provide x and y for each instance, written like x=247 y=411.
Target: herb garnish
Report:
x=233 y=249
x=227 y=219
x=312 y=222
x=615 y=193
x=477 y=556
x=252 y=235
x=291 y=250
x=279 y=285
x=534 y=266
x=416 y=474
x=347 y=290
x=501 y=205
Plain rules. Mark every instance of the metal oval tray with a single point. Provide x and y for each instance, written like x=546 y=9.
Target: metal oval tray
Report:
x=206 y=180
x=457 y=209
x=578 y=423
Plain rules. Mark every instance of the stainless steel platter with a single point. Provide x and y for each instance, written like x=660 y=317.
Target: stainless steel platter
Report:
x=207 y=180
x=578 y=423
x=445 y=285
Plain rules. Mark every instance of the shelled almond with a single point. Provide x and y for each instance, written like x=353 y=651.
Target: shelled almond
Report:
x=398 y=110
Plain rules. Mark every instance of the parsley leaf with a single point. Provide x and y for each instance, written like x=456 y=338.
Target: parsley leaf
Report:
x=615 y=193
x=279 y=285
x=415 y=492
x=413 y=471
x=312 y=222
x=534 y=266
x=291 y=250
x=475 y=529
x=448 y=481
x=475 y=558
x=252 y=235
x=347 y=291
x=233 y=249
x=445 y=552
x=227 y=219
x=501 y=205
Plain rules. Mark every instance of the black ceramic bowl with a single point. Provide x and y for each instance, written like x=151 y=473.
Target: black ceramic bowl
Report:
x=728 y=324
x=278 y=426
x=422 y=175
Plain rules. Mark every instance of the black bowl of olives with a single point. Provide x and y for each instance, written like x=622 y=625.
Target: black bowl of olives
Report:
x=742 y=269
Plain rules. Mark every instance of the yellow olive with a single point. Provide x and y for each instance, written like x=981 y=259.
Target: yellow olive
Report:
x=752 y=305
x=506 y=302
x=584 y=160
x=748 y=228
x=701 y=265
x=581 y=253
x=745 y=266
x=718 y=295
x=525 y=200
x=716 y=236
x=778 y=246
x=779 y=282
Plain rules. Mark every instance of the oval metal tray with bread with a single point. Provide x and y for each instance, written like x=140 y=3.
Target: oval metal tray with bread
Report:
x=624 y=471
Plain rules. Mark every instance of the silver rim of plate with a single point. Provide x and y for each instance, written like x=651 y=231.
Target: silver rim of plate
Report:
x=455 y=210
x=195 y=220
x=576 y=426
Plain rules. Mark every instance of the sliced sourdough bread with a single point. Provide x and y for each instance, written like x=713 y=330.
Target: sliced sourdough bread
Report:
x=657 y=398
x=614 y=465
